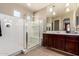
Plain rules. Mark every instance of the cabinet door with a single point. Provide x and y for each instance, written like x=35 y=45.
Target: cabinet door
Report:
x=72 y=45
x=47 y=40
x=44 y=40
x=59 y=42
x=53 y=41
x=50 y=41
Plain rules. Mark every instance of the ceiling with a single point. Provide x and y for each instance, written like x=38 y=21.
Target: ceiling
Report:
x=59 y=7
x=35 y=6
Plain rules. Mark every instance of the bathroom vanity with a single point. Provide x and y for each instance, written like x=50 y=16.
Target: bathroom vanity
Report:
x=65 y=42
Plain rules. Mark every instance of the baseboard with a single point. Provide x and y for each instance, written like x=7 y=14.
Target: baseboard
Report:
x=24 y=51
x=62 y=52
x=16 y=53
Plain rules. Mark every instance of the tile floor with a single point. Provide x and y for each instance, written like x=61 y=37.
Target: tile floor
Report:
x=41 y=51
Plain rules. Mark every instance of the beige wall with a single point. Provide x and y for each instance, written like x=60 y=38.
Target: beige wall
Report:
x=8 y=8
x=41 y=15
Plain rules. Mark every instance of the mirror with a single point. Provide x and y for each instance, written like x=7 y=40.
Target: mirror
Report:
x=56 y=25
x=66 y=22
x=48 y=24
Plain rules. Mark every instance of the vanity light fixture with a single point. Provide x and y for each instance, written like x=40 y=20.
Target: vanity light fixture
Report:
x=54 y=13
x=67 y=9
x=50 y=9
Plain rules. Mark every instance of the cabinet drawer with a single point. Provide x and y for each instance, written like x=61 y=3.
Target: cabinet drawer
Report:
x=72 y=38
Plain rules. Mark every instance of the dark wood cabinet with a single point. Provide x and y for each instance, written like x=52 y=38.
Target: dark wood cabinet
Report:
x=48 y=42
x=59 y=42
x=67 y=43
x=55 y=41
x=72 y=44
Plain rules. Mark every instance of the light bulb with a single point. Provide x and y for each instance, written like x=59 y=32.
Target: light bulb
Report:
x=50 y=10
x=67 y=9
x=54 y=13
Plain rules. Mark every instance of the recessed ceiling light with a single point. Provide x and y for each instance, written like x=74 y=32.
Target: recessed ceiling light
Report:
x=28 y=4
x=54 y=13
x=67 y=4
x=67 y=9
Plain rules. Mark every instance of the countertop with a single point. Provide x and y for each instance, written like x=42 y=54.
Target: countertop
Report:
x=61 y=33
